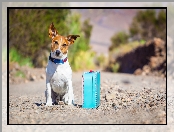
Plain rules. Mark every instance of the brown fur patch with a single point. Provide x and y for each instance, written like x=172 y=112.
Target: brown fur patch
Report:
x=72 y=38
x=52 y=31
x=59 y=41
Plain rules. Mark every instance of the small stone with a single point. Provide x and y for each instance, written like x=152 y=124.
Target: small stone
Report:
x=110 y=96
x=124 y=104
x=62 y=107
x=47 y=108
x=128 y=99
x=120 y=91
x=34 y=107
x=123 y=100
x=53 y=108
x=36 y=112
x=32 y=77
x=42 y=76
x=138 y=72
x=113 y=104
x=61 y=103
x=43 y=108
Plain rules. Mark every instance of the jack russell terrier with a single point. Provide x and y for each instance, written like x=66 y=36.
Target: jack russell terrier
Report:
x=58 y=71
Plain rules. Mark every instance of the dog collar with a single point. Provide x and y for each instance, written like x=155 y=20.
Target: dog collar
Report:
x=57 y=61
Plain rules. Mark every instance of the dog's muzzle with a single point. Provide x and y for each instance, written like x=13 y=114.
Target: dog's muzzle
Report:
x=57 y=52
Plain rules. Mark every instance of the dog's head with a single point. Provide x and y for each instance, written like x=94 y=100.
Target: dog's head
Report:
x=60 y=44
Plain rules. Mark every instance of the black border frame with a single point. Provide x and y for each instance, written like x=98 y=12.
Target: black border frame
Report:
x=8 y=8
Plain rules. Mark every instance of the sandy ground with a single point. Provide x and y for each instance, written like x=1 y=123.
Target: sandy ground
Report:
x=26 y=102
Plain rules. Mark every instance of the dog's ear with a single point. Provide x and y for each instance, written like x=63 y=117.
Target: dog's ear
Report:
x=71 y=38
x=52 y=31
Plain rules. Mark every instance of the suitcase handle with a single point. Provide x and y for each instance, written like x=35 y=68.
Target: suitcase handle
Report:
x=91 y=71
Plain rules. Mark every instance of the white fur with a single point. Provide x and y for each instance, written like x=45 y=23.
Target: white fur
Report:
x=58 y=79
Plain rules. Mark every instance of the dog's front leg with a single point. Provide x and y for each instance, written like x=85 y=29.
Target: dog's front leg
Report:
x=48 y=94
x=70 y=93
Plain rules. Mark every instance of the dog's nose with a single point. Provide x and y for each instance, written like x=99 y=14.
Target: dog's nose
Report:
x=57 y=52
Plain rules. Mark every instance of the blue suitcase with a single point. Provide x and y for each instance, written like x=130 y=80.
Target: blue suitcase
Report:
x=91 y=89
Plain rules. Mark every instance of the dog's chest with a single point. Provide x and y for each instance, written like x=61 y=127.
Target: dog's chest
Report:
x=59 y=83
x=60 y=76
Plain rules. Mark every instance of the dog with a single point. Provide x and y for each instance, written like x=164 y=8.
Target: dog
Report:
x=58 y=71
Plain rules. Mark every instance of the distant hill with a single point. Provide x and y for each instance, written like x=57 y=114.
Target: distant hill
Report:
x=105 y=23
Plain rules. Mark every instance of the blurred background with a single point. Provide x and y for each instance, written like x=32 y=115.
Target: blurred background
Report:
x=114 y=40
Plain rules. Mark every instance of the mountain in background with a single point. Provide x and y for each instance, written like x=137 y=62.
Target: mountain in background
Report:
x=106 y=22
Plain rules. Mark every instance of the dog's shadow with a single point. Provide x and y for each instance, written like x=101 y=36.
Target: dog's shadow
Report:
x=39 y=104
x=76 y=105
x=44 y=104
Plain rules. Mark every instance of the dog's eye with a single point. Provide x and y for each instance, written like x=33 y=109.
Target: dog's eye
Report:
x=55 y=42
x=64 y=45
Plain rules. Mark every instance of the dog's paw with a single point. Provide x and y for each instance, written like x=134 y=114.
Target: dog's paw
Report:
x=49 y=104
x=70 y=102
